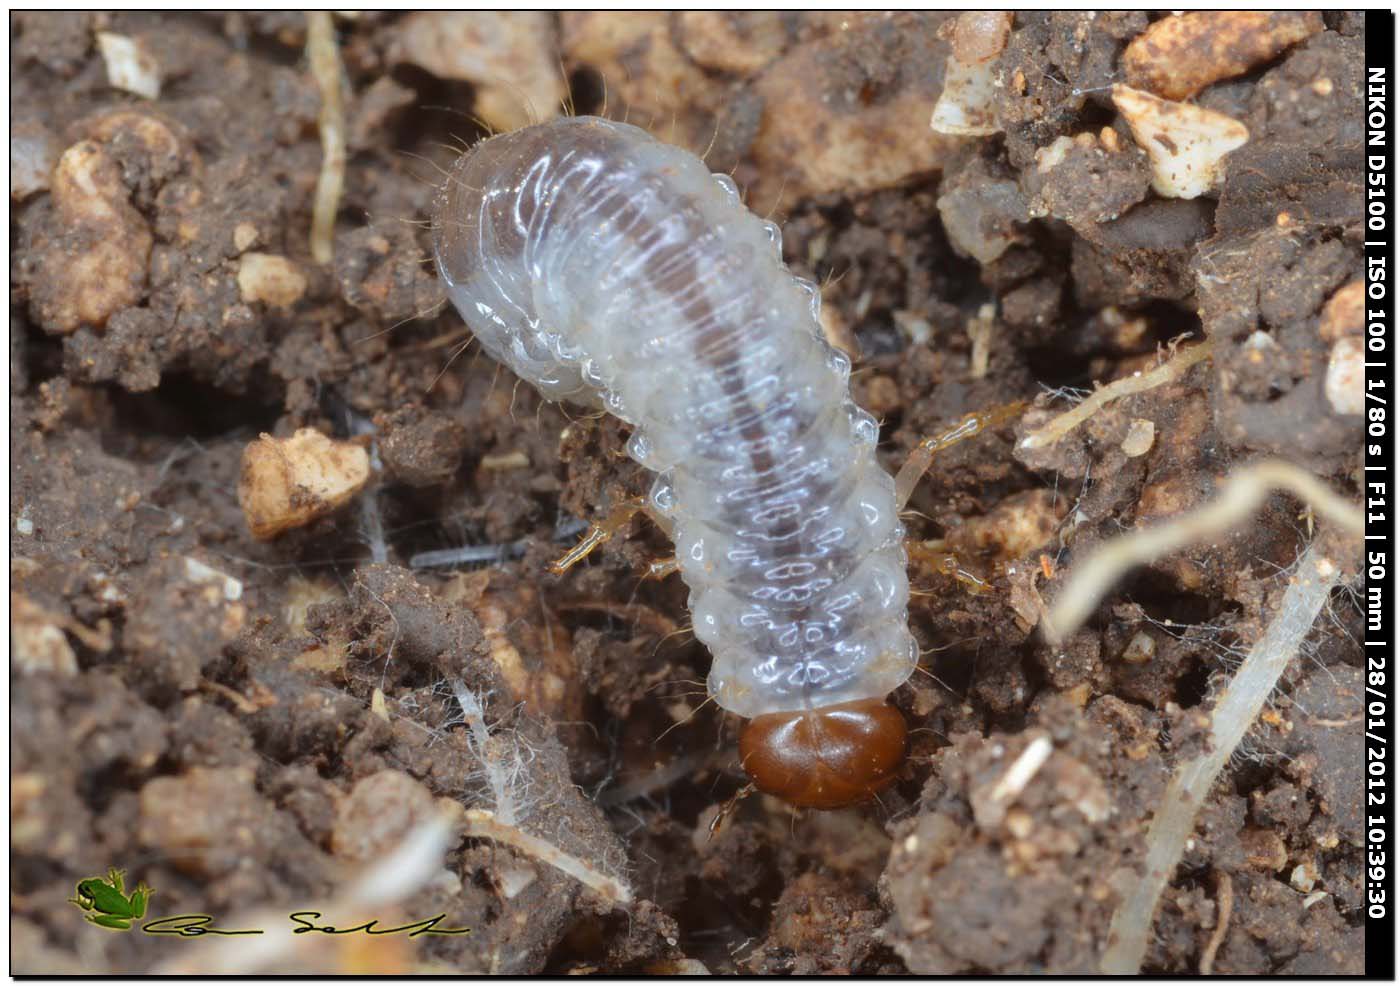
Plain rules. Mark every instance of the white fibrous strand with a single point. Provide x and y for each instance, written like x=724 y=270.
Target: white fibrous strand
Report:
x=505 y=771
x=1235 y=712
x=1239 y=496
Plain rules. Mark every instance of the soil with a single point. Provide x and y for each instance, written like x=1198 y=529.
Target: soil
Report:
x=246 y=724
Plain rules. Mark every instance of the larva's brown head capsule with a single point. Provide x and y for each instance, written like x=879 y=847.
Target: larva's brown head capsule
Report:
x=825 y=758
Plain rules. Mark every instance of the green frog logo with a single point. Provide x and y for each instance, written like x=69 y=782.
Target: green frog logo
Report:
x=107 y=903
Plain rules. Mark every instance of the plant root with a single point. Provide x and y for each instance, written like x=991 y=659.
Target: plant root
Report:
x=1058 y=427
x=1239 y=495
x=324 y=55
x=1234 y=714
x=483 y=824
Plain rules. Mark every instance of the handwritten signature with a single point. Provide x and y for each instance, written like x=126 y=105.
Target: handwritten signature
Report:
x=304 y=922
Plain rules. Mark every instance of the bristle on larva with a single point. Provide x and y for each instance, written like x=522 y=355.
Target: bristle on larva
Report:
x=610 y=269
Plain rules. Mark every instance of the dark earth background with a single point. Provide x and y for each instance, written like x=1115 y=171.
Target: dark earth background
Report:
x=257 y=735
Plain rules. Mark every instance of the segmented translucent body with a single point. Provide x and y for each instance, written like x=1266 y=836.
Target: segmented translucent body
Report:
x=608 y=268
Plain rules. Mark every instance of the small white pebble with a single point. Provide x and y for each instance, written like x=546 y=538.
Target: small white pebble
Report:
x=1304 y=877
x=244 y=236
x=1185 y=143
x=1346 y=376
x=1052 y=154
x=1141 y=434
x=270 y=278
x=1140 y=649
x=197 y=571
x=129 y=66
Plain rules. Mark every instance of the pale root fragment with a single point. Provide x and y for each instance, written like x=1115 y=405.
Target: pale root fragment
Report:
x=1185 y=144
x=483 y=824
x=979 y=332
x=130 y=66
x=967 y=105
x=323 y=54
x=289 y=482
x=505 y=777
x=1180 y=55
x=1061 y=425
x=989 y=804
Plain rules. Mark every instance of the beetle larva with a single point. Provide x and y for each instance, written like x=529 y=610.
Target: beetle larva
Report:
x=610 y=269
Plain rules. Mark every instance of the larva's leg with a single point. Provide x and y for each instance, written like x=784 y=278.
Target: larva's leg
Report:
x=726 y=809
x=922 y=457
x=932 y=555
x=928 y=556
x=663 y=567
x=613 y=521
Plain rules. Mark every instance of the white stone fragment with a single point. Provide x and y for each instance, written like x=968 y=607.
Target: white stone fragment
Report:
x=129 y=66
x=197 y=571
x=1186 y=144
x=1346 y=376
x=967 y=105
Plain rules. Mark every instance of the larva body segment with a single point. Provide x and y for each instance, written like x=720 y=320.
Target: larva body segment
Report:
x=608 y=268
